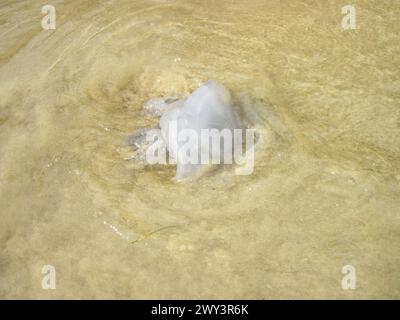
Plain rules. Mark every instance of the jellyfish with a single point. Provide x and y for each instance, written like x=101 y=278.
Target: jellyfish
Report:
x=187 y=128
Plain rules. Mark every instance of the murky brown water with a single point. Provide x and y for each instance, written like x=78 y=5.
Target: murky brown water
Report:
x=325 y=191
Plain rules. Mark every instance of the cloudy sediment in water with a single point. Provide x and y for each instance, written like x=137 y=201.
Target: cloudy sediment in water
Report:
x=323 y=200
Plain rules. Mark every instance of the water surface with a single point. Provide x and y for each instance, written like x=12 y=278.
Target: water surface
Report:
x=325 y=191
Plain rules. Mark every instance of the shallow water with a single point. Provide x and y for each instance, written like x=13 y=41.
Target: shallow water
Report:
x=325 y=191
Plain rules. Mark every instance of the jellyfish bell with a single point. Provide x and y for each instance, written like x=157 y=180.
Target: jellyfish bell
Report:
x=203 y=118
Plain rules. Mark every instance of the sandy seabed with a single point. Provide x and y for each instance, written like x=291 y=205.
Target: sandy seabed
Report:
x=325 y=191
